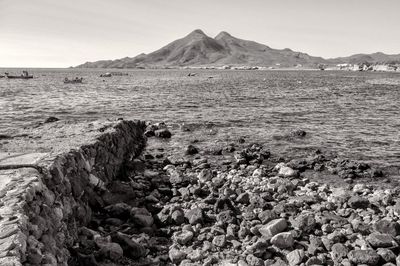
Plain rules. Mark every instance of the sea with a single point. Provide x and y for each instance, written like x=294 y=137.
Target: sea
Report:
x=353 y=114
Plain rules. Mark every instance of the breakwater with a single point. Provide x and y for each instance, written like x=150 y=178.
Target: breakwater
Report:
x=47 y=197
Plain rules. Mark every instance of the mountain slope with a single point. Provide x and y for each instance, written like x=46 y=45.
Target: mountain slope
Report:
x=198 y=49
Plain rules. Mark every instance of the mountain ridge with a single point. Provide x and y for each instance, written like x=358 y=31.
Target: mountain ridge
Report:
x=197 y=49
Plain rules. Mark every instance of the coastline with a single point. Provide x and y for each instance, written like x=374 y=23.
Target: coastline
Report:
x=231 y=205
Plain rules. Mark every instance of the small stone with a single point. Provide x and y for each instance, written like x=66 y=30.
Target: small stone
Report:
x=176 y=255
x=163 y=133
x=273 y=227
x=51 y=119
x=378 y=240
x=112 y=251
x=178 y=217
x=295 y=257
x=205 y=175
x=183 y=237
x=283 y=240
x=191 y=150
x=243 y=198
x=387 y=226
x=338 y=252
x=369 y=257
x=254 y=261
x=195 y=216
x=386 y=254
x=304 y=222
x=357 y=202
x=131 y=248
x=219 y=241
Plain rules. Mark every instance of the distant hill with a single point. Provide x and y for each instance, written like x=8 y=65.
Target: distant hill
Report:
x=198 y=49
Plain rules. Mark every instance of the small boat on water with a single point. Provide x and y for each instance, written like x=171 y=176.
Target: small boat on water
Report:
x=24 y=75
x=106 y=75
x=73 y=81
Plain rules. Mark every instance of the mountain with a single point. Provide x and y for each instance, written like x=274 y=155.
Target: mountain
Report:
x=198 y=49
x=367 y=58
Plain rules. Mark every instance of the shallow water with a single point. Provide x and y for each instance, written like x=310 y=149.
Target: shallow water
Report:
x=354 y=114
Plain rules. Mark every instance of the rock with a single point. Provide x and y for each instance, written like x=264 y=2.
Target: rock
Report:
x=254 y=261
x=131 y=248
x=175 y=176
x=119 y=210
x=191 y=150
x=298 y=133
x=183 y=237
x=195 y=216
x=113 y=251
x=142 y=217
x=283 y=240
x=357 y=202
x=163 y=133
x=243 y=198
x=205 y=175
x=295 y=257
x=386 y=254
x=219 y=241
x=338 y=252
x=387 y=226
x=304 y=222
x=273 y=227
x=178 y=217
x=51 y=119
x=285 y=171
x=379 y=240
x=368 y=257
x=176 y=255
x=267 y=216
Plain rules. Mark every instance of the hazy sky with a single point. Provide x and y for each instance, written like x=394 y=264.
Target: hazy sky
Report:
x=61 y=33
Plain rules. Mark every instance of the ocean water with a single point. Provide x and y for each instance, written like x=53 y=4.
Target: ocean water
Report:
x=354 y=114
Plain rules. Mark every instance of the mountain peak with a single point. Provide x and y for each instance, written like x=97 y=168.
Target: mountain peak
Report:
x=197 y=32
x=222 y=35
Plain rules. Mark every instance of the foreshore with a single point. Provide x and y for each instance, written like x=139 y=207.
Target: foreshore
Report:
x=97 y=194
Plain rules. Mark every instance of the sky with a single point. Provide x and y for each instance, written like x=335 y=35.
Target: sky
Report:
x=63 y=33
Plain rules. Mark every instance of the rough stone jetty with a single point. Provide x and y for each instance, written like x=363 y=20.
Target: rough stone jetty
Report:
x=91 y=194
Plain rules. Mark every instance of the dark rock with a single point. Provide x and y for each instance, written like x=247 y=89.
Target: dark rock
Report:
x=379 y=240
x=51 y=119
x=357 y=202
x=387 y=226
x=149 y=133
x=119 y=210
x=191 y=150
x=131 y=248
x=113 y=251
x=163 y=133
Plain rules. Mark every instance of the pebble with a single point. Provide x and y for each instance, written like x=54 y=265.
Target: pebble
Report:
x=273 y=227
x=283 y=240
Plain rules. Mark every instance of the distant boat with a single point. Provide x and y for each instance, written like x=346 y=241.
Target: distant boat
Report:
x=24 y=75
x=106 y=75
x=73 y=81
x=1 y=76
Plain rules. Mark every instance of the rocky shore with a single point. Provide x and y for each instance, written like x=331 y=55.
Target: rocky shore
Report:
x=236 y=204
x=254 y=209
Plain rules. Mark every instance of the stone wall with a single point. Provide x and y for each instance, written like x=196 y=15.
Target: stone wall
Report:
x=44 y=203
